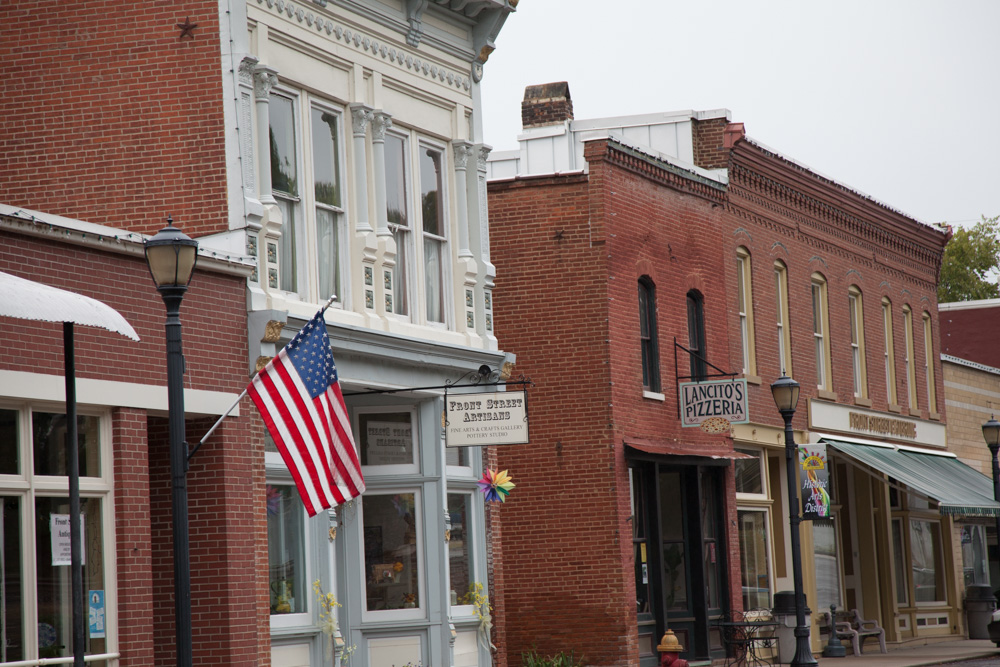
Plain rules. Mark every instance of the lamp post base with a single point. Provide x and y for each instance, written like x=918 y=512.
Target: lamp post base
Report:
x=803 y=654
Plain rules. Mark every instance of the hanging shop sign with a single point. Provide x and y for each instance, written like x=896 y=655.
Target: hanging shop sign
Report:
x=489 y=418
x=714 y=400
x=815 y=482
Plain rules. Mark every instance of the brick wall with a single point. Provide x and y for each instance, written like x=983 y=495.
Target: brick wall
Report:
x=970 y=333
x=973 y=396
x=778 y=211
x=107 y=116
x=569 y=253
x=227 y=518
x=708 y=144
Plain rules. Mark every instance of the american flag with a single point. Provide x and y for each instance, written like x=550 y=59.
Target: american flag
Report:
x=298 y=395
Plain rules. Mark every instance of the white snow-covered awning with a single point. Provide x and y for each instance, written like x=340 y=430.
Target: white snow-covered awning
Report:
x=28 y=300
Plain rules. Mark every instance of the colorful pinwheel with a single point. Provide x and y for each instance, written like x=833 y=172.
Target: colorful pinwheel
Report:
x=496 y=486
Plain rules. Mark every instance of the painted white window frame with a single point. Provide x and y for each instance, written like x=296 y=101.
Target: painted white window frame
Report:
x=889 y=352
x=447 y=309
x=911 y=368
x=389 y=469
x=27 y=487
x=403 y=278
x=929 y=363
x=744 y=300
x=821 y=330
x=781 y=319
x=855 y=302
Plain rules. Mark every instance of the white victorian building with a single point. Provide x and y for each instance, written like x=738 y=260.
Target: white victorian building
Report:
x=357 y=169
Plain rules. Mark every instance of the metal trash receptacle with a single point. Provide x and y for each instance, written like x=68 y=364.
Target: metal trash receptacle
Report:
x=784 y=613
x=979 y=607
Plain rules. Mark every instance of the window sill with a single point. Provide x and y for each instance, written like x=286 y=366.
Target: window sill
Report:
x=826 y=395
x=752 y=379
x=863 y=401
x=936 y=416
x=895 y=408
x=654 y=396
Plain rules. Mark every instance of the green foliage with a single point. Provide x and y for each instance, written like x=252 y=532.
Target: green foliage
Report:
x=970 y=264
x=532 y=659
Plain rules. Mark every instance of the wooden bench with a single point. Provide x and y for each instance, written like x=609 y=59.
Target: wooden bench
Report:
x=850 y=625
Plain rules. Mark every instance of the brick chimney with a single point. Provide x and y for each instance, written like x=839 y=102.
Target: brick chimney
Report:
x=546 y=104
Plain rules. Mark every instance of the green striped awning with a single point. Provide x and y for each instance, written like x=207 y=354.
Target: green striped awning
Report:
x=959 y=489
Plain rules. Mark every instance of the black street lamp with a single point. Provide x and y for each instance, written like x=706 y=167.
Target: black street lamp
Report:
x=991 y=433
x=785 y=391
x=171 y=256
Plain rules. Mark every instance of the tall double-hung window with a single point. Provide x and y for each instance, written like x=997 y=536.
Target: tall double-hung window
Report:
x=821 y=331
x=35 y=578
x=781 y=318
x=647 y=335
x=696 y=335
x=744 y=294
x=929 y=363
x=889 y=352
x=305 y=154
x=856 y=309
x=911 y=364
x=427 y=237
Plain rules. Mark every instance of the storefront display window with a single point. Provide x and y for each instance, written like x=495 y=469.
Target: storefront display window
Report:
x=392 y=550
x=975 y=567
x=387 y=439
x=926 y=561
x=749 y=478
x=460 y=566
x=827 y=566
x=902 y=590
x=286 y=550
x=35 y=571
x=672 y=535
x=754 y=559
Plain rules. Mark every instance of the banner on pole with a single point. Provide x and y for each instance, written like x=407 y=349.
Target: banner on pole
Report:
x=815 y=481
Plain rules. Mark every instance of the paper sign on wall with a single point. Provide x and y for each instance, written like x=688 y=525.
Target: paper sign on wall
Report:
x=95 y=600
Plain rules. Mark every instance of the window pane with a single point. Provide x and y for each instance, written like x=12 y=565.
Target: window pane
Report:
x=827 y=570
x=284 y=176
x=395 y=180
x=49 y=444
x=402 y=237
x=433 y=269
x=12 y=590
x=432 y=213
x=672 y=534
x=754 y=559
x=460 y=545
x=456 y=456
x=391 y=557
x=10 y=451
x=326 y=170
x=386 y=438
x=974 y=565
x=286 y=550
x=328 y=252
x=902 y=591
x=54 y=594
x=286 y=246
x=925 y=559
x=748 y=478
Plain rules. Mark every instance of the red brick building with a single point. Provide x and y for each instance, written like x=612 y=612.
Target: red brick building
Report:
x=762 y=266
x=126 y=486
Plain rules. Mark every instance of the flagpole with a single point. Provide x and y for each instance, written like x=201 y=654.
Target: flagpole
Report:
x=329 y=302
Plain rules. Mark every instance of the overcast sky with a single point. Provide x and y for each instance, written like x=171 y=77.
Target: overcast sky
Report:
x=899 y=99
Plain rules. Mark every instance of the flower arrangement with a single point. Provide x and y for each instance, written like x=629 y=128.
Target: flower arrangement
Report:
x=480 y=601
x=328 y=621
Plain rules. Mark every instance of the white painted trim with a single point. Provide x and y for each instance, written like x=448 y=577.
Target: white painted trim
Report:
x=38 y=387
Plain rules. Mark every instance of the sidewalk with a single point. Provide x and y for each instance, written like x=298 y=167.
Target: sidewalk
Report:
x=912 y=656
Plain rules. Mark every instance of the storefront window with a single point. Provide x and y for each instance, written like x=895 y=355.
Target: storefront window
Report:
x=386 y=439
x=902 y=590
x=926 y=561
x=286 y=550
x=10 y=459
x=754 y=560
x=672 y=535
x=709 y=513
x=11 y=585
x=975 y=568
x=827 y=567
x=54 y=576
x=49 y=444
x=391 y=547
x=460 y=546
x=748 y=473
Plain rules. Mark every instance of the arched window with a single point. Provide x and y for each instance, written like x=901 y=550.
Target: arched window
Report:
x=744 y=292
x=856 y=308
x=696 y=334
x=821 y=331
x=647 y=335
x=781 y=319
x=890 y=352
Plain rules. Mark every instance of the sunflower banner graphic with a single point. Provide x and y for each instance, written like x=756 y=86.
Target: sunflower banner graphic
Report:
x=815 y=482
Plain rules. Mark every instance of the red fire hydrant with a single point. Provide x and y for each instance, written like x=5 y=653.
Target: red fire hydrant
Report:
x=670 y=651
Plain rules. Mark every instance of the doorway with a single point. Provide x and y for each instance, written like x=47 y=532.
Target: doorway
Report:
x=680 y=558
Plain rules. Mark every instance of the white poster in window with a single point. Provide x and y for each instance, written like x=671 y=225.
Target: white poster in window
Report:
x=95 y=601
x=59 y=532
x=389 y=443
